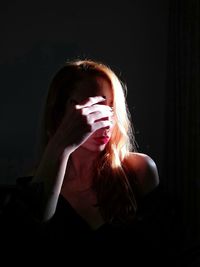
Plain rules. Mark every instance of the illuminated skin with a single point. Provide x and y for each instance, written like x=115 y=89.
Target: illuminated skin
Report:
x=101 y=87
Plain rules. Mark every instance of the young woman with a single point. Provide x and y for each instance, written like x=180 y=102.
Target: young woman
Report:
x=90 y=178
x=89 y=155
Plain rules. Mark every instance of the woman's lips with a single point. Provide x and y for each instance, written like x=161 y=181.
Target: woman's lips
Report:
x=102 y=139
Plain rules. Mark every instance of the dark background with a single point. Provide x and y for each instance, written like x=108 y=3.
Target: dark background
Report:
x=37 y=37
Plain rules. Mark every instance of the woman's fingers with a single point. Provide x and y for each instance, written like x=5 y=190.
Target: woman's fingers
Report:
x=81 y=120
x=102 y=124
x=90 y=101
x=96 y=108
x=98 y=115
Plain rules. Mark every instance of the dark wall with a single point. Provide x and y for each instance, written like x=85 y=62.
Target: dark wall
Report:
x=37 y=37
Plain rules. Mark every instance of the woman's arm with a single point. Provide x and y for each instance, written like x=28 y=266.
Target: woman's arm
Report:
x=49 y=175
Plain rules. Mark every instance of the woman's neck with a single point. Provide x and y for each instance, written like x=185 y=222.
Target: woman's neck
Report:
x=81 y=168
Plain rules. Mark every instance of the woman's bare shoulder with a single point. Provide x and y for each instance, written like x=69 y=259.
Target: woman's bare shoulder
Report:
x=144 y=170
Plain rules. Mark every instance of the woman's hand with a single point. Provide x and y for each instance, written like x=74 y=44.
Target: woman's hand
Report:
x=81 y=121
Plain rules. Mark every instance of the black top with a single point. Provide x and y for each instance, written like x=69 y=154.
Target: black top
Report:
x=153 y=235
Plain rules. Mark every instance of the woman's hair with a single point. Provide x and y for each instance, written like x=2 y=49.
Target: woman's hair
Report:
x=115 y=191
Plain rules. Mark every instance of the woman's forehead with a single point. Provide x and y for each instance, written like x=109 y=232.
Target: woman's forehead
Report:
x=93 y=87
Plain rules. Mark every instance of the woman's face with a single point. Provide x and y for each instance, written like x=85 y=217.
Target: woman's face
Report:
x=97 y=86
